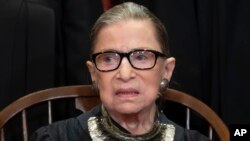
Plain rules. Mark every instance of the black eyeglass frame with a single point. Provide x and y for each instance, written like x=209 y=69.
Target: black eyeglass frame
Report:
x=127 y=54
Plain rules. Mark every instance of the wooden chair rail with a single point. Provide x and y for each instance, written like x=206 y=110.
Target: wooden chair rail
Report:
x=42 y=96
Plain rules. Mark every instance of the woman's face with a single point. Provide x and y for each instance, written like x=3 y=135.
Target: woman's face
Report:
x=127 y=90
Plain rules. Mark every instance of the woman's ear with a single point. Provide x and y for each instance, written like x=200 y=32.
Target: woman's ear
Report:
x=169 y=68
x=92 y=70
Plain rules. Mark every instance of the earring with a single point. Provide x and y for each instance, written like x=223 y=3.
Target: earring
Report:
x=95 y=87
x=164 y=85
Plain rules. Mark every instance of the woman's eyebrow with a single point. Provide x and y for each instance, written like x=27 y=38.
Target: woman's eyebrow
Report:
x=106 y=50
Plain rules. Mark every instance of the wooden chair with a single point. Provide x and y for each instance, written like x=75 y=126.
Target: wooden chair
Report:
x=85 y=99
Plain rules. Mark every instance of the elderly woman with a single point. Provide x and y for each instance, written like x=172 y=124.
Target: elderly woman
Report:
x=130 y=66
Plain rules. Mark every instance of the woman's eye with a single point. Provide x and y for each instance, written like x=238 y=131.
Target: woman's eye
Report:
x=141 y=57
x=107 y=59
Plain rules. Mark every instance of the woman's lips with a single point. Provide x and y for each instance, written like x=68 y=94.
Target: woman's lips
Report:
x=127 y=92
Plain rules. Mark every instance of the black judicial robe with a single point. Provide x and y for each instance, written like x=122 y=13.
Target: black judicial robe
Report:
x=76 y=129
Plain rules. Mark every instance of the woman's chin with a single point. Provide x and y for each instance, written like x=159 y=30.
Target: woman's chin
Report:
x=127 y=109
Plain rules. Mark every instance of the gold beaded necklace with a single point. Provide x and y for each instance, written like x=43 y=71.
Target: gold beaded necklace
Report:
x=102 y=129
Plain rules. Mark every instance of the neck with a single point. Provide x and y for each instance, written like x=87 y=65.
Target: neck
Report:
x=136 y=123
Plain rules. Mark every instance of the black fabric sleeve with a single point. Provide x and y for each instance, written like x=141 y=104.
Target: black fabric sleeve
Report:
x=41 y=135
x=67 y=130
x=193 y=135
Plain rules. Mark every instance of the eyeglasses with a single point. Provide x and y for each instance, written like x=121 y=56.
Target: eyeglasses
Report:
x=139 y=59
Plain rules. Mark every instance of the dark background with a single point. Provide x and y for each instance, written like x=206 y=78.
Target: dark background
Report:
x=45 y=43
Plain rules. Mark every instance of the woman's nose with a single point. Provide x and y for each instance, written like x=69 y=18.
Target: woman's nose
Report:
x=125 y=70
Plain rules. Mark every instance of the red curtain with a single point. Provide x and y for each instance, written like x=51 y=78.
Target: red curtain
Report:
x=109 y=3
